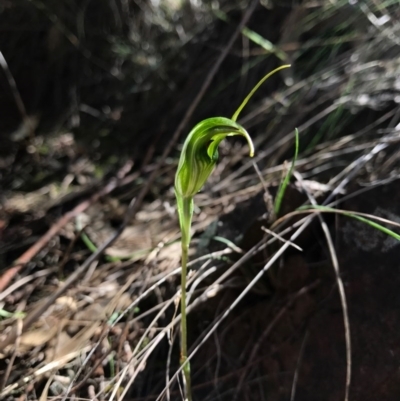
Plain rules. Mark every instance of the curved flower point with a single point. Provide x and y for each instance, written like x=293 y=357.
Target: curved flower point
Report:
x=200 y=153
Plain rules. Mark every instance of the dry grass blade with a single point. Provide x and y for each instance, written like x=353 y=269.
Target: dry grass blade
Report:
x=340 y=285
x=252 y=283
x=352 y=171
x=270 y=326
x=13 y=356
x=17 y=97
x=136 y=350
x=298 y=364
x=273 y=234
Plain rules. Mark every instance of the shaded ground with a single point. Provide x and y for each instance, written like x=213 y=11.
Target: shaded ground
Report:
x=105 y=89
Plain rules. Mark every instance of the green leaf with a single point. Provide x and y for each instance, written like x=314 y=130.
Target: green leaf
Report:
x=283 y=185
x=255 y=37
x=354 y=215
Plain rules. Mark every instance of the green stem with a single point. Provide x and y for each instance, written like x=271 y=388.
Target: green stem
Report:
x=245 y=101
x=186 y=221
x=283 y=185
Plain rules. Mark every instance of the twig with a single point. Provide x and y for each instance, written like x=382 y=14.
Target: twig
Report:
x=28 y=255
x=14 y=89
x=10 y=363
x=35 y=314
x=24 y=281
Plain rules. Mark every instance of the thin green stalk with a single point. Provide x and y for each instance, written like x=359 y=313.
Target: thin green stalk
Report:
x=186 y=220
x=283 y=185
x=247 y=98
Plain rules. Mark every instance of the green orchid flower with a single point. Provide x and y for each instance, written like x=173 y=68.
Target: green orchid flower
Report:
x=200 y=153
x=197 y=161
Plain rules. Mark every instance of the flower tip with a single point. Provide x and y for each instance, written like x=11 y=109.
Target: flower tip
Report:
x=251 y=147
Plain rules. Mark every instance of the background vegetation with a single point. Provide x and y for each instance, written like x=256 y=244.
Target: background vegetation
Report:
x=96 y=98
